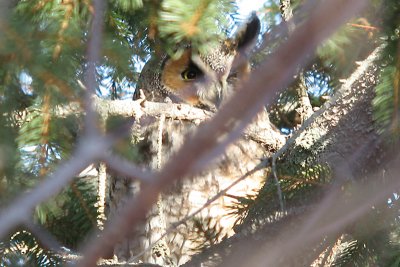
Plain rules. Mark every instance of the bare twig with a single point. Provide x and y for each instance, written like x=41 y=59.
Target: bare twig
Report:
x=101 y=195
x=278 y=186
x=127 y=169
x=160 y=141
x=136 y=109
x=93 y=56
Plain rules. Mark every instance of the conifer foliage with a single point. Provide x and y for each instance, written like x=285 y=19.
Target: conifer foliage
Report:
x=43 y=63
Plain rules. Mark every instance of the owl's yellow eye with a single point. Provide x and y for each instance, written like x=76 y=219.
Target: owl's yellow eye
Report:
x=189 y=74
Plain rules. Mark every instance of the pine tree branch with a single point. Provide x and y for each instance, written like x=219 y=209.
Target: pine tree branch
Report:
x=21 y=208
x=343 y=90
x=136 y=109
x=88 y=152
x=334 y=213
x=140 y=109
x=44 y=238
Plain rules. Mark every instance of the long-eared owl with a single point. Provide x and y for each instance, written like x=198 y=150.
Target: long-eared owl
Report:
x=205 y=81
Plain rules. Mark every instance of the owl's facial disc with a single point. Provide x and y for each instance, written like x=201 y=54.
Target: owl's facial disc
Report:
x=182 y=77
x=198 y=79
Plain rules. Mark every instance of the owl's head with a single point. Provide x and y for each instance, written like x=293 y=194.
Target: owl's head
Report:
x=200 y=79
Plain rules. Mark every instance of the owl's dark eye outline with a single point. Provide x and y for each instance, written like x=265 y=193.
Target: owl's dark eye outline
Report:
x=189 y=74
x=192 y=72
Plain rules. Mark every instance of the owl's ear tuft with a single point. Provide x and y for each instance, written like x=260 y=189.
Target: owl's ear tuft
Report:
x=247 y=36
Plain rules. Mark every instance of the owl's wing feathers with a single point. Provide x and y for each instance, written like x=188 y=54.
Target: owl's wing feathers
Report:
x=150 y=80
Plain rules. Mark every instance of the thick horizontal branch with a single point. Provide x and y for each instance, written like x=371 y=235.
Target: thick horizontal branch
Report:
x=137 y=109
x=178 y=111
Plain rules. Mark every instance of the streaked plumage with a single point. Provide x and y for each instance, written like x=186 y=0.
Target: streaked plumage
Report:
x=205 y=84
